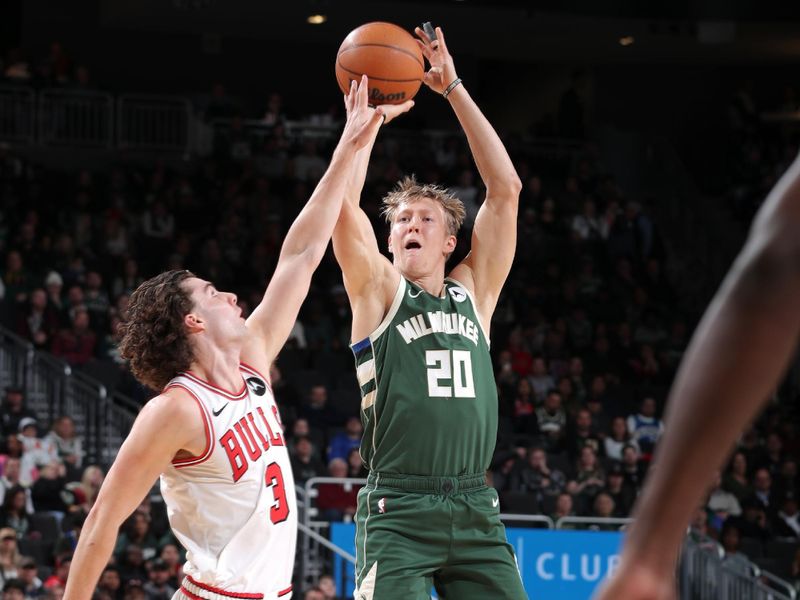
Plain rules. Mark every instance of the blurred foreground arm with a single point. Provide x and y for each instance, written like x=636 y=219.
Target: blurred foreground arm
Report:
x=735 y=360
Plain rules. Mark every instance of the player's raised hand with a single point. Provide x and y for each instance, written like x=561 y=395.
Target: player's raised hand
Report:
x=388 y=112
x=442 y=71
x=361 y=117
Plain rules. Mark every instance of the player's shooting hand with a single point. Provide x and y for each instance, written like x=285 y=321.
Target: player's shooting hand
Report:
x=362 y=119
x=442 y=71
x=392 y=111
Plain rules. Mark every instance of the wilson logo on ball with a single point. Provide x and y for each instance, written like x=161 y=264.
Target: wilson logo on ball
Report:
x=376 y=94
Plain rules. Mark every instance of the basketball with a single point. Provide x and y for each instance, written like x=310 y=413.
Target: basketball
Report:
x=388 y=55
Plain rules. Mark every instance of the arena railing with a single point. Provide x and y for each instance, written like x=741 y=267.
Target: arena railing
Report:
x=705 y=574
x=589 y=522
x=52 y=388
x=154 y=123
x=75 y=118
x=17 y=114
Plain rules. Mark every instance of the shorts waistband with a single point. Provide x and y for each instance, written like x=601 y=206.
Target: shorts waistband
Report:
x=428 y=485
x=194 y=590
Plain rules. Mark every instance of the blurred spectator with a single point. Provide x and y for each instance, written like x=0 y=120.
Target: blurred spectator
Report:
x=604 y=507
x=721 y=504
x=97 y=301
x=317 y=411
x=10 y=558
x=68 y=445
x=355 y=466
x=342 y=443
x=736 y=479
x=13 y=589
x=632 y=467
x=537 y=478
x=618 y=437
x=14 y=513
x=787 y=521
x=552 y=420
x=645 y=427
x=301 y=428
x=28 y=575
x=540 y=379
x=273 y=114
x=327 y=586
x=128 y=280
x=589 y=475
x=763 y=492
x=13 y=410
x=40 y=320
x=337 y=501
x=11 y=479
x=16 y=278
x=524 y=409
x=564 y=507
x=582 y=434
x=110 y=582
x=46 y=491
x=137 y=532
x=314 y=593
x=39 y=450
x=623 y=494
x=158 y=586
x=131 y=565
x=304 y=464
x=76 y=345
x=171 y=556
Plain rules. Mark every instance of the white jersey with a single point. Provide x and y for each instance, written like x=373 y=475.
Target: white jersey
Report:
x=233 y=507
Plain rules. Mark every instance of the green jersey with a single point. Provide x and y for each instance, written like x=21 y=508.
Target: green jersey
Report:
x=428 y=395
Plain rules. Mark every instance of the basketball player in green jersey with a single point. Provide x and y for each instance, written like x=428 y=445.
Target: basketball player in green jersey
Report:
x=426 y=517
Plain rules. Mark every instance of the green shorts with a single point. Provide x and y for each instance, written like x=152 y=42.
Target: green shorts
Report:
x=417 y=533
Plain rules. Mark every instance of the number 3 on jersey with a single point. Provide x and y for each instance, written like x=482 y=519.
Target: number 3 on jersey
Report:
x=450 y=374
x=274 y=479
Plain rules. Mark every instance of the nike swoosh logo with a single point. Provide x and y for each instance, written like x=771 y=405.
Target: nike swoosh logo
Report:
x=216 y=413
x=495 y=502
x=410 y=295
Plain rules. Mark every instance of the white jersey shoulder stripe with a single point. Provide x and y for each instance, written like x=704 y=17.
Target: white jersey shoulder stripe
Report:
x=240 y=395
x=208 y=425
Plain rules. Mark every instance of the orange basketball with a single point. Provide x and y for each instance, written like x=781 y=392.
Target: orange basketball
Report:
x=388 y=55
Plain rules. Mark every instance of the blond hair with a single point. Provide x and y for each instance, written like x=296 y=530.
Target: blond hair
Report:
x=409 y=189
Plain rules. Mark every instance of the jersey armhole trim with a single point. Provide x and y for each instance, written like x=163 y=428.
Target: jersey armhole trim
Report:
x=474 y=307
x=387 y=319
x=208 y=426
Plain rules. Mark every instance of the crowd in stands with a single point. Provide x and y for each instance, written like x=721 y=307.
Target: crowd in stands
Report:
x=586 y=338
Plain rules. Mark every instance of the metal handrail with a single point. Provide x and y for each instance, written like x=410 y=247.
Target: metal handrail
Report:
x=528 y=519
x=592 y=521
x=327 y=543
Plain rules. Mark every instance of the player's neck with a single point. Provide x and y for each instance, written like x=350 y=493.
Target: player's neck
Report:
x=218 y=366
x=433 y=283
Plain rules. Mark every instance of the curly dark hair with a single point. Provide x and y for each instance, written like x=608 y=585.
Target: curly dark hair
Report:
x=154 y=340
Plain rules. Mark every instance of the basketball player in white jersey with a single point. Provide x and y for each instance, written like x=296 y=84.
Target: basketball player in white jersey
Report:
x=214 y=433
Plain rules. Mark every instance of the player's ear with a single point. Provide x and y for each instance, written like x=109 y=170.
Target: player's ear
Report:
x=450 y=244
x=389 y=244
x=193 y=323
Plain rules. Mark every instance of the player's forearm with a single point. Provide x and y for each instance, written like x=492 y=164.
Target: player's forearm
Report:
x=311 y=231
x=736 y=358
x=94 y=549
x=491 y=157
x=358 y=174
